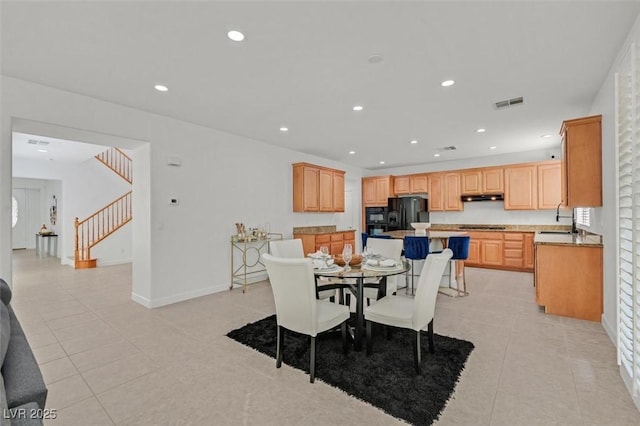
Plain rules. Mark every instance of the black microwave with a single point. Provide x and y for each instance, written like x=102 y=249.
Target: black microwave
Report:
x=376 y=215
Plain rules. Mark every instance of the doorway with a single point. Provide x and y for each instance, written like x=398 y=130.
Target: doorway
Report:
x=25 y=220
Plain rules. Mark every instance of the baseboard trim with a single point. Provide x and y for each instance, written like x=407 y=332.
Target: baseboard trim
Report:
x=611 y=331
x=113 y=262
x=168 y=300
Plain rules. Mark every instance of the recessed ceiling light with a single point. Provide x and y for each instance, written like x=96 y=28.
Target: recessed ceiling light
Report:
x=42 y=150
x=161 y=88
x=235 y=35
x=375 y=59
x=546 y=136
x=352 y=152
x=492 y=147
x=358 y=108
x=284 y=129
x=436 y=155
x=481 y=130
x=447 y=83
x=382 y=162
x=413 y=142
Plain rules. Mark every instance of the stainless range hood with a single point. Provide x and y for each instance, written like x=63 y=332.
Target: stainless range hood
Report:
x=483 y=197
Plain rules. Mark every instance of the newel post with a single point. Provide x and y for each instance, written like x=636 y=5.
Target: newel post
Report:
x=76 y=223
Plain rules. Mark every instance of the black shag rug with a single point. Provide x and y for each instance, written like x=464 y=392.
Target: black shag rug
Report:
x=387 y=379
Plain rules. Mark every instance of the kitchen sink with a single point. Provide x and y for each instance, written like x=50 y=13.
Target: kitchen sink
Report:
x=554 y=232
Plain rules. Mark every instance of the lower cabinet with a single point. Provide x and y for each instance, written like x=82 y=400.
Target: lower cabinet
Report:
x=335 y=241
x=568 y=280
x=501 y=250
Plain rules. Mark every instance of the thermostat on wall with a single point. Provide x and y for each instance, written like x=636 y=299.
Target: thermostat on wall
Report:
x=174 y=161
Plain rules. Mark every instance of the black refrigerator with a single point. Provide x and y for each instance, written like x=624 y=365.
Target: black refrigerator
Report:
x=403 y=211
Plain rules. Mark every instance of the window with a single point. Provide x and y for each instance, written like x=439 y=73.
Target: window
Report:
x=628 y=218
x=14 y=211
x=583 y=216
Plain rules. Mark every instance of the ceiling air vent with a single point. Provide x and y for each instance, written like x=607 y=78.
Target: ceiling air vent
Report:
x=509 y=103
x=37 y=142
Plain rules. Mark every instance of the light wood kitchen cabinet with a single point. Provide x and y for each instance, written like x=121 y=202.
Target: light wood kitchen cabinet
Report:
x=520 y=187
x=501 y=250
x=410 y=184
x=568 y=280
x=401 y=185
x=338 y=192
x=444 y=192
x=482 y=181
x=474 y=252
x=377 y=190
x=317 y=189
x=514 y=249
x=419 y=183
x=335 y=241
x=549 y=185
x=493 y=180
x=528 y=251
x=582 y=162
x=486 y=249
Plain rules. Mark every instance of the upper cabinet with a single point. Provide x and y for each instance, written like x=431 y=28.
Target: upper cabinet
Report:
x=482 y=181
x=549 y=185
x=520 y=187
x=444 y=192
x=376 y=190
x=410 y=184
x=317 y=189
x=582 y=162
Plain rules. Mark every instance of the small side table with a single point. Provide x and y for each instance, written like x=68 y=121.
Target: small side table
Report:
x=40 y=239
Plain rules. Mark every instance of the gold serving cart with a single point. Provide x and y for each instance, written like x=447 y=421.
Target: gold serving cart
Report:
x=246 y=262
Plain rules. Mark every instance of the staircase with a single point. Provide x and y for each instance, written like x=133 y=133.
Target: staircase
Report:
x=107 y=220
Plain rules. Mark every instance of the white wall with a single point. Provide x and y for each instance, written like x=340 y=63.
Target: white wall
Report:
x=179 y=251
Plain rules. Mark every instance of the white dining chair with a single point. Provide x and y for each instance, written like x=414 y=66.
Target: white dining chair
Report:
x=412 y=313
x=297 y=309
x=390 y=249
x=293 y=249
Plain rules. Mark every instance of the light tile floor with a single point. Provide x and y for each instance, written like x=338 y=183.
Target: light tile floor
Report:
x=108 y=360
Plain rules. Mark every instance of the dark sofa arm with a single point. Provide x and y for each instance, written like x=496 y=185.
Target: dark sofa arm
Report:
x=26 y=415
x=22 y=377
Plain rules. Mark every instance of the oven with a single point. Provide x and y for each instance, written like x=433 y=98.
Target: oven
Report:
x=376 y=228
x=376 y=220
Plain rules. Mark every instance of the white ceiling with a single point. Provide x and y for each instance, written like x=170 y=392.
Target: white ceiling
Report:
x=304 y=65
x=42 y=148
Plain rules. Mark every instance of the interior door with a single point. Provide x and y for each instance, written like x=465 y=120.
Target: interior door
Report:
x=19 y=218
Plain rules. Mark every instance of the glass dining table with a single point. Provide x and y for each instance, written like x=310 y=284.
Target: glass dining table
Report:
x=354 y=279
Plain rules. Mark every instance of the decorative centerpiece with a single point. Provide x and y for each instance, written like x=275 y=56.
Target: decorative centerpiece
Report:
x=355 y=260
x=421 y=227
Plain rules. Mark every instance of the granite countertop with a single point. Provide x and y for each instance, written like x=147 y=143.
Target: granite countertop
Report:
x=317 y=230
x=498 y=227
x=588 y=240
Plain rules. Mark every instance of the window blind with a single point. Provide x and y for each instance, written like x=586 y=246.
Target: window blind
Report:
x=628 y=191
x=583 y=216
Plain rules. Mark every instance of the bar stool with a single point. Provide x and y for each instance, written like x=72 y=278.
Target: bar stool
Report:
x=460 y=248
x=364 y=239
x=384 y=237
x=415 y=248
